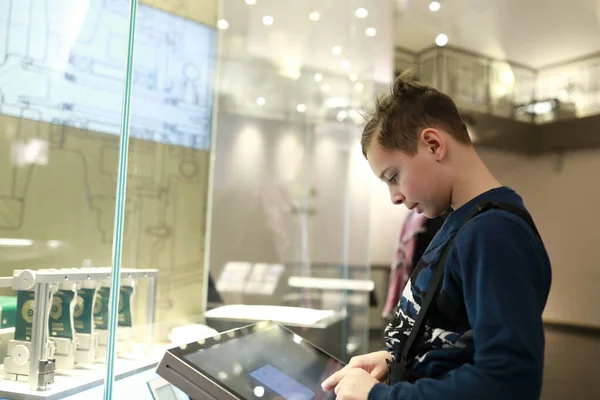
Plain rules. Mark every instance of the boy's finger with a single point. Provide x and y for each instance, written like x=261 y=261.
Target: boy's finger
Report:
x=334 y=379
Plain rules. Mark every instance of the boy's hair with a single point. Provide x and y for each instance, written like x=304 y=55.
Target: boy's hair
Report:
x=411 y=106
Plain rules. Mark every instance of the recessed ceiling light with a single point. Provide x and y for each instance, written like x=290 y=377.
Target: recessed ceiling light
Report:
x=353 y=77
x=362 y=13
x=325 y=87
x=318 y=77
x=223 y=24
x=314 y=16
x=337 y=50
x=342 y=115
x=250 y=2
x=337 y=102
x=371 y=32
x=345 y=64
x=301 y=108
x=260 y=101
x=267 y=20
x=441 y=40
x=434 y=6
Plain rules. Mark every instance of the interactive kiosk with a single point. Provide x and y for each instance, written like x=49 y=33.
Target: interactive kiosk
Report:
x=265 y=360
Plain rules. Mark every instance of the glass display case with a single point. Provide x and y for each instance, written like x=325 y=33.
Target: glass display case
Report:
x=476 y=82
x=62 y=78
x=290 y=198
x=173 y=170
x=83 y=122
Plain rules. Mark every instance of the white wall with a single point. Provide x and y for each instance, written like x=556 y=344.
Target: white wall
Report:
x=263 y=167
x=563 y=194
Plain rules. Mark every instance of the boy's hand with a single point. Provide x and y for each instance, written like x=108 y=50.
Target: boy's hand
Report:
x=373 y=364
x=355 y=385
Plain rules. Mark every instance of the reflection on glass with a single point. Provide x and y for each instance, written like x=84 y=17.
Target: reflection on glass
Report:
x=259 y=391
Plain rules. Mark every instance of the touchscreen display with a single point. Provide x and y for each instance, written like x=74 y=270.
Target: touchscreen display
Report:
x=270 y=364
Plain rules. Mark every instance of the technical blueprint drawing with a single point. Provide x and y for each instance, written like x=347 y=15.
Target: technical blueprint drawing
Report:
x=63 y=62
x=62 y=66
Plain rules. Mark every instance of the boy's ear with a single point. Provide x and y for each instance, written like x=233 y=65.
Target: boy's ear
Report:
x=434 y=142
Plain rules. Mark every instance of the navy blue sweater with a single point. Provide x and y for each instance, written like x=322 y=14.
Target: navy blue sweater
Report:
x=484 y=337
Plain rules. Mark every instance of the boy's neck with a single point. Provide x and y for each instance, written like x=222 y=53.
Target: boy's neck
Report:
x=472 y=178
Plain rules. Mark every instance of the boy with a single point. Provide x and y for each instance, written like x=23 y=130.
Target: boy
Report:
x=482 y=334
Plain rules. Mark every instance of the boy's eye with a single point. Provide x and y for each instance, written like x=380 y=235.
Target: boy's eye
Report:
x=392 y=179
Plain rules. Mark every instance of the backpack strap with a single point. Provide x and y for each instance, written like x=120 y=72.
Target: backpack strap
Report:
x=519 y=212
x=399 y=371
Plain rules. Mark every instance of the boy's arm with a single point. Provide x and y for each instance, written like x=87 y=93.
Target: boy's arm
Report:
x=506 y=279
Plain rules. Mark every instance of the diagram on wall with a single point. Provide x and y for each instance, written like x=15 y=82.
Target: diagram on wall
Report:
x=61 y=82
x=63 y=62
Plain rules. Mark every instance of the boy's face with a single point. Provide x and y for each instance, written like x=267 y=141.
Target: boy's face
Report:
x=418 y=181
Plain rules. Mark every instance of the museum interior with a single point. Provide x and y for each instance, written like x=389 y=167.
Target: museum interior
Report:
x=208 y=213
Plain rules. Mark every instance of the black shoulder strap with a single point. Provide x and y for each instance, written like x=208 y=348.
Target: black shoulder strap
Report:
x=436 y=279
x=519 y=212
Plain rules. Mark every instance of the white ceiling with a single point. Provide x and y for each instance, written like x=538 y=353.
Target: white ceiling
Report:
x=293 y=40
x=531 y=32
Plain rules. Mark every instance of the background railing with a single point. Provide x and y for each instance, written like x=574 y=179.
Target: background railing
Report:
x=506 y=89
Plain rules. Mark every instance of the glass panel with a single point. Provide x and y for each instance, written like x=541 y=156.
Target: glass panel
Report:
x=290 y=200
x=61 y=78
x=574 y=84
x=475 y=82
x=162 y=302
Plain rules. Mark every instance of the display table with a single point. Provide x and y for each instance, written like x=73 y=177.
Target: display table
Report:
x=79 y=380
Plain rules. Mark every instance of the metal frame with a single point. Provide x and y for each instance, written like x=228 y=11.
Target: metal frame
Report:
x=194 y=382
x=44 y=284
x=190 y=381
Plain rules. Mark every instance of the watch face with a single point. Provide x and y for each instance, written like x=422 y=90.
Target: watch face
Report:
x=57 y=308
x=78 y=307
x=27 y=311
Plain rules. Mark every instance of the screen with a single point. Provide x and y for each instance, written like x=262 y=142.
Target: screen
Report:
x=270 y=364
x=63 y=62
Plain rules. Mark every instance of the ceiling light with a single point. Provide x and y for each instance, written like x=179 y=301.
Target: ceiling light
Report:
x=337 y=50
x=434 y=6
x=362 y=13
x=359 y=87
x=325 y=87
x=342 y=115
x=250 y=2
x=301 y=108
x=345 y=64
x=318 y=77
x=223 y=24
x=314 y=16
x=370 y=32
x=337 y=102
x=267 y=20
x=353 y=77
x=508 y=77
x=53 y=243
x=441 y=40
x=260 y=101
x=9 y=242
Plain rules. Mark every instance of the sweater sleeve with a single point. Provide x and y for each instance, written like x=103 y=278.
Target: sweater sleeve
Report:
x=506 y=277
